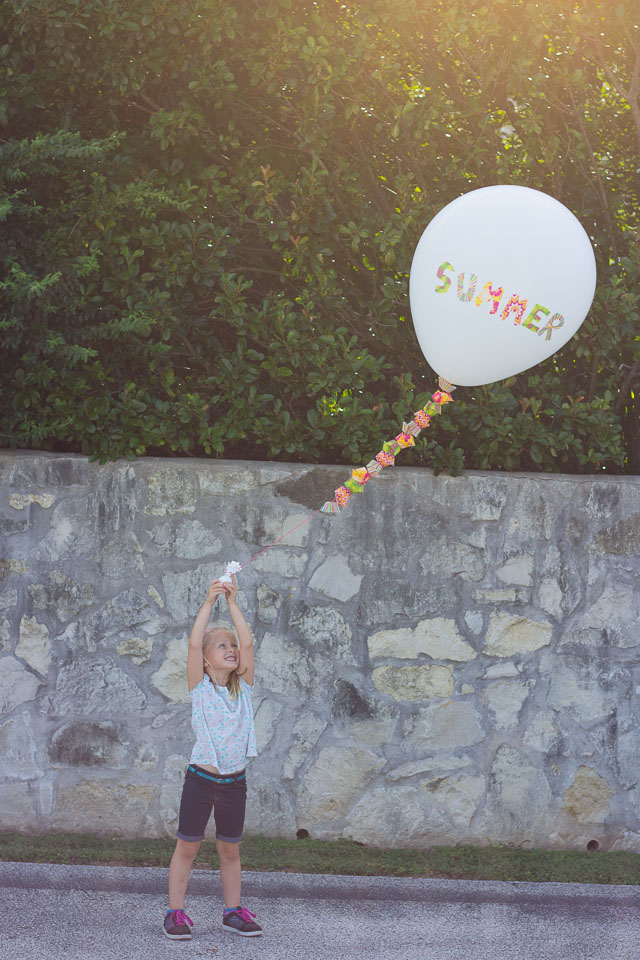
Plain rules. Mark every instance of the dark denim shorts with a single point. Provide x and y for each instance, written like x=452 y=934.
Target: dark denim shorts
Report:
x=203 y=791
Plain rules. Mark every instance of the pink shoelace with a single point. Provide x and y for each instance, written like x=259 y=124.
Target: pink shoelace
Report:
x=181 y=918
x=245 y=914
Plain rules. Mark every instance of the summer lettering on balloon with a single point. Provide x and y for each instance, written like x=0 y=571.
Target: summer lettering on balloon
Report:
x=514 y=306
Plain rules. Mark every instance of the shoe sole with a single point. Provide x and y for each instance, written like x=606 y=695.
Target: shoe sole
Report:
x=242 y=933
x=177 y=936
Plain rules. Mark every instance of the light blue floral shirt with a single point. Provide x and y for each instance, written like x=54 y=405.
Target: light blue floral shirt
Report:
x=224 y=728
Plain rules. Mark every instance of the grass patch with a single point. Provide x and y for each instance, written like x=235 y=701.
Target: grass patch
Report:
x=337 y=857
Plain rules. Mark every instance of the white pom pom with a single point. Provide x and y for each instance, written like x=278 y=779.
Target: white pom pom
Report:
x=231 y=568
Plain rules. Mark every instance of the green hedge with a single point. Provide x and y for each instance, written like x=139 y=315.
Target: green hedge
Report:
x=210 y=209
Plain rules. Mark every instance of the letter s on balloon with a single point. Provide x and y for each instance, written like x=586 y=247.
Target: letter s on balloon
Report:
x=446 y=281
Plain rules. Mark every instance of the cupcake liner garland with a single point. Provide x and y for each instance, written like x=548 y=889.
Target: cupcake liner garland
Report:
x=386 y=457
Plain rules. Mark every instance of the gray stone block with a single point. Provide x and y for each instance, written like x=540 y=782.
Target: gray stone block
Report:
x=61 y=595
x=17 y=685
x=18 y=749
x=97 y=687
x=87 y=744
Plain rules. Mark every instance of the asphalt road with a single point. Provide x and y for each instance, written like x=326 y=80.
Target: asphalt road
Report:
x=53 y=912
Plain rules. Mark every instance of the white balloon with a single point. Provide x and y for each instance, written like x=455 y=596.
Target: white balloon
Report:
x=501 y=279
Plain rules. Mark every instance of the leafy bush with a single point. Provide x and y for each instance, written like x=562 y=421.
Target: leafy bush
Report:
x=210 y=209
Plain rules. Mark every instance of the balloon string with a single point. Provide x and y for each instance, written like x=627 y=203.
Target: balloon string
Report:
x=386 y=457
x=264 y=550
x=434 y=406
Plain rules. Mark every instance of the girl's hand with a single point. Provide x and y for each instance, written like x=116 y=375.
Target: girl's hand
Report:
x=215 y=590
x=231 y=589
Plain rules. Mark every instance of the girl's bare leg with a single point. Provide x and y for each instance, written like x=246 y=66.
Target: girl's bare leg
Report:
x=179 y=871
x=230 y=872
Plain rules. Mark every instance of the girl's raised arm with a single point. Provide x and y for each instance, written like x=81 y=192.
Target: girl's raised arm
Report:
x=195 y=658
x=245 y=639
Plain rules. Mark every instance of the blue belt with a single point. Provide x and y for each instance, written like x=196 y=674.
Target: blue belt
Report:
x=235 y=777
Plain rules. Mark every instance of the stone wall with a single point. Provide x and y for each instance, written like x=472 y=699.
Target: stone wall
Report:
x=448 y=660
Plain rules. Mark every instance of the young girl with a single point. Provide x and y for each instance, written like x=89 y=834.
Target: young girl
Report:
x=220 y=679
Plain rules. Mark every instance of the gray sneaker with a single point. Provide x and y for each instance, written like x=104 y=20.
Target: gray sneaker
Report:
x=177 y=925
x=241 y=921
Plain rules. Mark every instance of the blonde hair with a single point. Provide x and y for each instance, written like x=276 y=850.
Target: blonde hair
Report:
x=233 y=683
